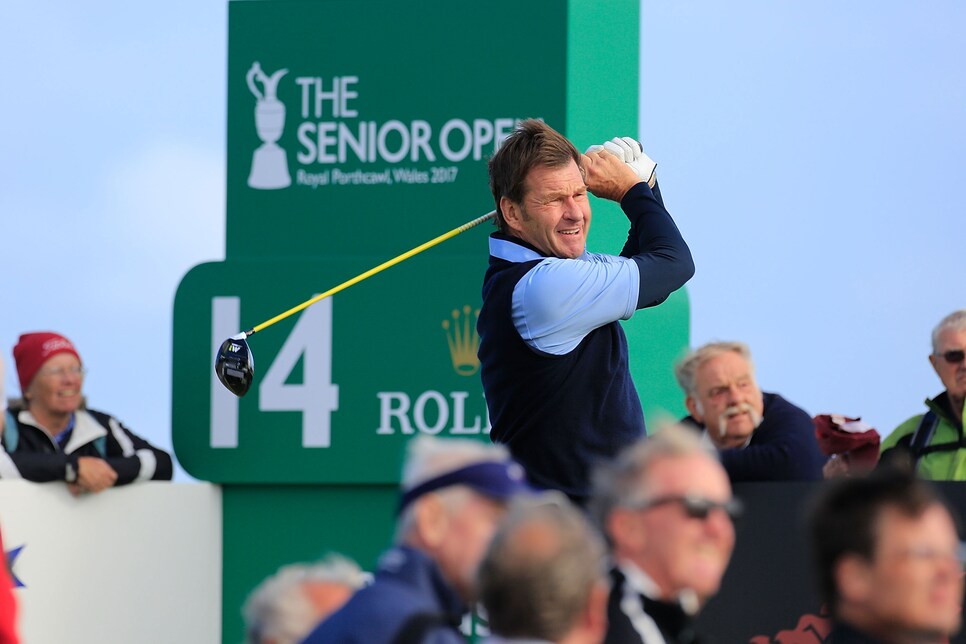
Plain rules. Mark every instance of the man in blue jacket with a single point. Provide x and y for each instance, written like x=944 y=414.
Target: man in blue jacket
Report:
x=454 y=492
x=759 y=436
x=553 y=356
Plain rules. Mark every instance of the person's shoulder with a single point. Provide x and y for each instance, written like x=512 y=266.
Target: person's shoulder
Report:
x=374 y=613
x=556 y=275
x=102 y=418
x=689 y=422
x=15 y=406
x=776 y=403
x=905 y=428
x=96 y=413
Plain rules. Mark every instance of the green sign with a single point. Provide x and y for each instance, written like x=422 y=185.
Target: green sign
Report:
x=357 y=131
x=339 y=387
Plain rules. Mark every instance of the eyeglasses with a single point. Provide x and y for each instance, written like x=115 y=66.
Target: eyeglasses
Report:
x=953 y=357
x=695 y=507
x=60 y=372
x=932 y=555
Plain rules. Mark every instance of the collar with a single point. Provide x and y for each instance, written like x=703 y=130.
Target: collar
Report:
x=638 y=580
x=413 y=567
x=847 y=634
x=513 y=249
x=686 y=600
x=943 y=408
x=85 y=429
x=706 y=441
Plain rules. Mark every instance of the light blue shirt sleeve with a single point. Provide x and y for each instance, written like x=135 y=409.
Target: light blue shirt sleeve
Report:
x=559 y=301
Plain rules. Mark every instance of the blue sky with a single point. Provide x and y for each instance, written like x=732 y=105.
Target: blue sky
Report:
x=811 y=153
x=113 y=184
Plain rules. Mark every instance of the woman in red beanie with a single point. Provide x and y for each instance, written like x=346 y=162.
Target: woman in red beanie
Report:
x=50 y=436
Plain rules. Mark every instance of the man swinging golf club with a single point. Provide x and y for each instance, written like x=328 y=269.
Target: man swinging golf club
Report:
x=553 y=357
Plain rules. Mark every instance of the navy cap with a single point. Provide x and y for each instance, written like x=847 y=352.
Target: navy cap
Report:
x=499 y=480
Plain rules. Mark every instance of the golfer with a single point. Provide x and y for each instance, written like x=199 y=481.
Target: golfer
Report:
x=553 y=357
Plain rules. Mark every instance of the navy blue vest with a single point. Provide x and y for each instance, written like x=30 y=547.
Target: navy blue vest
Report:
x=557 y=415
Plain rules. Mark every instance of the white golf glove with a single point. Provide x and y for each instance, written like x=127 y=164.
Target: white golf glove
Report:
x=630 y=152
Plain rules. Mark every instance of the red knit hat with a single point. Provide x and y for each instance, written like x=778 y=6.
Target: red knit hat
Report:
x=34 y=349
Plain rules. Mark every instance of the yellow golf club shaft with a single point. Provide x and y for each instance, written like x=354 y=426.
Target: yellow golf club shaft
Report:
x=372 y=271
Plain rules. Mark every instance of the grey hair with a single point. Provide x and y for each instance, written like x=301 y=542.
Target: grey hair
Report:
x=624 y=482
x=955 y=321
x=428 y=457
x=278 y=608
x=540 y=569
x=688 y=366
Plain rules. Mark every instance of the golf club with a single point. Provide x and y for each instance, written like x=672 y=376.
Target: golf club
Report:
x=234 y=363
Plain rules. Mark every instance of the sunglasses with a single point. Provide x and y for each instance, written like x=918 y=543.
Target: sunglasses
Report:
x=953 y=357
x=695 y=507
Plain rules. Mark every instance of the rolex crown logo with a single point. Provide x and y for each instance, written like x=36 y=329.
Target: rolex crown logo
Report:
x=463 y=340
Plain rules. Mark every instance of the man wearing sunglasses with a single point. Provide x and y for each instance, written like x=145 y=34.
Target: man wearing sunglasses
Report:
x=935 y=440
x=666 y=506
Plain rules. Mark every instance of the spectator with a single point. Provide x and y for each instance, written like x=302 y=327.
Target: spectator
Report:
x=759 y=436
x=886 y=554
x=454 y=492
x=553 y=357
x=284 y=608
x=666 y=506
x=543 y=577
x=934 y=440
x=50 y=436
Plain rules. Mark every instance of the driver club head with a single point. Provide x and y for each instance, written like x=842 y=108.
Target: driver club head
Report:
x=234 y=365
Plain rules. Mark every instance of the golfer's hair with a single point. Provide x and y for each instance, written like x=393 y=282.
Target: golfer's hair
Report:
x=532 y=144
x=688 y=366
x=625 y=481
x=540 y=569
x=955 y=321
x=843 y=518
x=278 y=608
x=428 y=457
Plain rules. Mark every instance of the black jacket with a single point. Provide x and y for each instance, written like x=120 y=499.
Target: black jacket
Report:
x=629 y=621
x=31 y=453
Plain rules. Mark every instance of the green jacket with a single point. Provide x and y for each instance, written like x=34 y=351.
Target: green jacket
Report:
x=943 y=465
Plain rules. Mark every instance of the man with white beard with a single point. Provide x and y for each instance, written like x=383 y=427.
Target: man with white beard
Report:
x=759 y=436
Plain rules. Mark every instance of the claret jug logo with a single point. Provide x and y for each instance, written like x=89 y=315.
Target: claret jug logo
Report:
x=463 y=340
x=333 y=143
x=269 y=164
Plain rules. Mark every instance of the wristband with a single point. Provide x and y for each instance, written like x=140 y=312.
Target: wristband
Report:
x=70 y=470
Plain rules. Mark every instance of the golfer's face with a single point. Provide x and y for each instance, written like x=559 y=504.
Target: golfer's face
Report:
x=555 y=212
